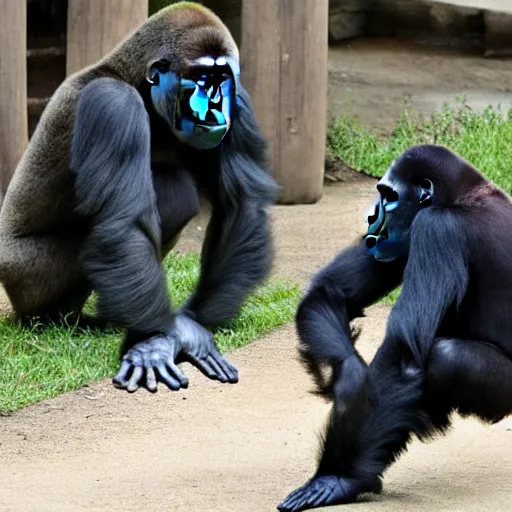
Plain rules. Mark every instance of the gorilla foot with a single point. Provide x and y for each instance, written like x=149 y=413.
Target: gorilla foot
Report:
x=147 y=363
x=199 y=349
x=325 y=490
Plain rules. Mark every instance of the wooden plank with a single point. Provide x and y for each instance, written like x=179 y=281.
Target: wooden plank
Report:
x=260 y=64
x=13 y=88
x=303 y=99
x=95 y=27
x=284 y=67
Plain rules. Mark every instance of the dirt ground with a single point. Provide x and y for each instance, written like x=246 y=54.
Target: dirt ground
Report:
x=244 y=447
x=372 y=79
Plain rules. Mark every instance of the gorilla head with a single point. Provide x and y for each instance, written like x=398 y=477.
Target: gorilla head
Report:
x=390 y=223
x=422 y=176
x=197 y=103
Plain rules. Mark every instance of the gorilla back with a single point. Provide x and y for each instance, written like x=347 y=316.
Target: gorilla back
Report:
x=112 y=175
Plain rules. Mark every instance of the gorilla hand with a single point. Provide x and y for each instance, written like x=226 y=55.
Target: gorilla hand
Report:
x=198 y=348
x=156 y=359
x=148 y=361
x=322 y=491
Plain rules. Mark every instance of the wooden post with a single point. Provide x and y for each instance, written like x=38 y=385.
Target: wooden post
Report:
x=13 y=88
x=95 y=27
x=284 y=68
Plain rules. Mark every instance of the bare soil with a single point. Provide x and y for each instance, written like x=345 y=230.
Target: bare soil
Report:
x=373 y=79
x=244 y=447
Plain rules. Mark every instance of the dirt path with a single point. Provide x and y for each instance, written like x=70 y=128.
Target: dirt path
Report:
x=239 y=448
x=373 y=78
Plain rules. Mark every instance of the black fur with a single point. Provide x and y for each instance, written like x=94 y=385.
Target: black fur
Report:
x=237 y=252
x=448 y=341
x=135 y=214
x=114 y=188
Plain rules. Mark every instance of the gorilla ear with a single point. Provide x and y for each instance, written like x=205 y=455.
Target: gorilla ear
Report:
x=154 y=70
x=426 y=191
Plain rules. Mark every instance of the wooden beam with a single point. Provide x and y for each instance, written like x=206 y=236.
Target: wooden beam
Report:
x=13 y=88
x=284 y=68
x=95 y=27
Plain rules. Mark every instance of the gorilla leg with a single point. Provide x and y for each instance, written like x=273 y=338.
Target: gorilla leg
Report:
x=470 y=376
x=362 y=440
x=41 y=275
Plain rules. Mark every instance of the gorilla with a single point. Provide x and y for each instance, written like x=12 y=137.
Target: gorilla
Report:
x=112 y=175
x=444 y=232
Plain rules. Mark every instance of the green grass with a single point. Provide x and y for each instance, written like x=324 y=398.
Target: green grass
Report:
x=38 y=363
x=482 y=138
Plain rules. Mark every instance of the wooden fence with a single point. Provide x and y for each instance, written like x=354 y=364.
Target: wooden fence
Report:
x=284 y=67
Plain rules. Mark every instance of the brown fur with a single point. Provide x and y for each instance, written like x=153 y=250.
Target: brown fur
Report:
x=478 y=194
x=40 y=235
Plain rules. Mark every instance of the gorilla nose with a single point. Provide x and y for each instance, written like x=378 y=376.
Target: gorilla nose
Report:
x=371 y=241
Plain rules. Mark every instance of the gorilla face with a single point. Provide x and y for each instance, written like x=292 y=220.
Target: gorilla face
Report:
x=198 y=105
x=390 y=222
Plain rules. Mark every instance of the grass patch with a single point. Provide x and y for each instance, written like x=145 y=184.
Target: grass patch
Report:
x=482 y=138
x=38 y=363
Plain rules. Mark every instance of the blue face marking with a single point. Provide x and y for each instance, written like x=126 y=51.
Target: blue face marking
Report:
x=389 y=207
x=168 y=83
x=384 y=241
x=389 y=227
x=204 y=103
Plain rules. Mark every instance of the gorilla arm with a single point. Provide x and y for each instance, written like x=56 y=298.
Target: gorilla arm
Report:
x=338 y=294
x=237 y=252
x=436 y=277
x=121 y=257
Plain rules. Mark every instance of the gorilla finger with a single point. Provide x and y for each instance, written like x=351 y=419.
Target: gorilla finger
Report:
x=167 y=378
x=288 y=504
x=322 y=498
x=177 y=373
x=151 y=383
x=308 y=499
x=230 y=370
x=121 y=377
x=217 y=368
x=133 y=383
x=205 y=368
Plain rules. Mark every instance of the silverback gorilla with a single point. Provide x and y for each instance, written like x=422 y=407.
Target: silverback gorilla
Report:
x=113 y=174
x=445 y=232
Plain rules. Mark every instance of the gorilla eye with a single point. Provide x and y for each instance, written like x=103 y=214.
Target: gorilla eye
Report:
x=387 y=193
